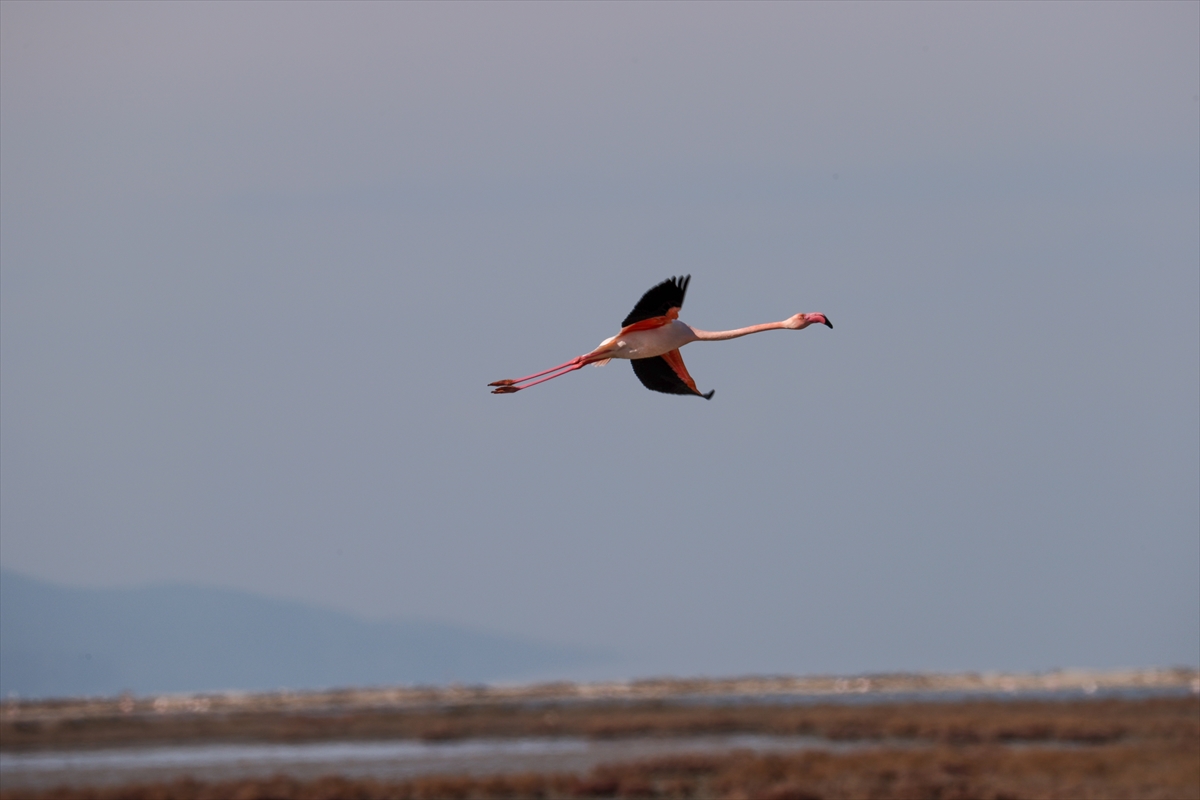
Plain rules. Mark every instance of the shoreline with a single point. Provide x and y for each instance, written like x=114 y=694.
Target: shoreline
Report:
x=1092 y=746
x=922 y=686
x=1067 y=733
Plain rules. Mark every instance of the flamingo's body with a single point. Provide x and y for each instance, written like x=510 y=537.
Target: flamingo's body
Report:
x=650 y=339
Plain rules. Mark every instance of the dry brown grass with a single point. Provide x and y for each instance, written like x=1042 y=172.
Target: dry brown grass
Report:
x=1088 y=721
x=942 y=772
x=1100 y=749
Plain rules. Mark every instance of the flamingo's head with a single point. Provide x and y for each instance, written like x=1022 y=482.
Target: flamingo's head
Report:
x=800 y=321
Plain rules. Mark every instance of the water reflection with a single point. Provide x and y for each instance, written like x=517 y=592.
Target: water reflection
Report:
x=375 y=759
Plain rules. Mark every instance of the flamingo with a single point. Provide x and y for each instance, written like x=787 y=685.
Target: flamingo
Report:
x=650 y=338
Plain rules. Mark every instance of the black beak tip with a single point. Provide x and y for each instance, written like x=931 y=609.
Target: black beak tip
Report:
x=830 y=324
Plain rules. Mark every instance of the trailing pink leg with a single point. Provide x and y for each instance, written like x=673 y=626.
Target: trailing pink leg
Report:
x=510 y=386
x=578 y=360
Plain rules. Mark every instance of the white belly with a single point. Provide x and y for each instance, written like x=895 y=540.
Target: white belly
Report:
x=654 y=342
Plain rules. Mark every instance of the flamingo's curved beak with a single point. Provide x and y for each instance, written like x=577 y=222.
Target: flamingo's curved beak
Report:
x=827 y=322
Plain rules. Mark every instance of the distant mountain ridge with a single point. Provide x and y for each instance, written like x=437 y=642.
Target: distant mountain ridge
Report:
x=62 y=641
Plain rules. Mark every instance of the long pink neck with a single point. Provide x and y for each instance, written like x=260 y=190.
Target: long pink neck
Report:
x=716 y=336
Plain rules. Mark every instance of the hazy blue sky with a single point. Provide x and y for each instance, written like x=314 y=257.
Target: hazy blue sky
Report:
x=259 y=262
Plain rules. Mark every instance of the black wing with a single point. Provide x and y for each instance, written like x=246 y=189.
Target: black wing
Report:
x=656 y=375
x=659 y=300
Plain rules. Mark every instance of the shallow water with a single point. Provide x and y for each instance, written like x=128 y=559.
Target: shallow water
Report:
x=382 y=760
x=402 y=759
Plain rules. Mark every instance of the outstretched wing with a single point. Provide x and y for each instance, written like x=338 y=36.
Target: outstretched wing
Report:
x=666 y=374
x=659 y=300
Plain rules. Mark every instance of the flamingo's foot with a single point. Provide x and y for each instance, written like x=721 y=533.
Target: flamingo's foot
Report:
x=505 y=382
x=506 y=388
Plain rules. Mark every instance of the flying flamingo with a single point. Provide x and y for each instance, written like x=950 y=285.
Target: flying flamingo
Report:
x=650 y=338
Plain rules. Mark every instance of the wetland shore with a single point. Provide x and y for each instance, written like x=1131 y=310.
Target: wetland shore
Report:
x=1060 y=734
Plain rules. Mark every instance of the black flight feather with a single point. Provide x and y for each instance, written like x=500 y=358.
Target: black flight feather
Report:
x=656 y=375
x=659 y=300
